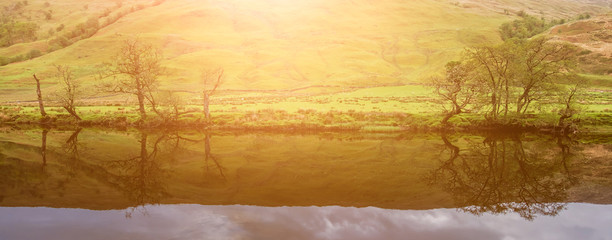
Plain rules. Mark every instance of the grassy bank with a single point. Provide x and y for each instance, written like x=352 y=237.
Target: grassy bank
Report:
x=378 y=109
x=271 y=119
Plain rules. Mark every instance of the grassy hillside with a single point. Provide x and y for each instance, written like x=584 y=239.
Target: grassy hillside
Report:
x=594 y=36
x=277 y=44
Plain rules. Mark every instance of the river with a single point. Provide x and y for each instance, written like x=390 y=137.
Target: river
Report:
x=110 y=184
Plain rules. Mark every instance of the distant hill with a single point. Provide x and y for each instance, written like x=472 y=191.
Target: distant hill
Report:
x=274 y=44
x=594 y=36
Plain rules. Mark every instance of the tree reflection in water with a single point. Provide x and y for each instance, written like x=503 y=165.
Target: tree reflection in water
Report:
x=501 y=174
x=141 y=177
x=43 y=147
x=19 y=177
x=71 y=161
x=213 y=170
x=208 y=156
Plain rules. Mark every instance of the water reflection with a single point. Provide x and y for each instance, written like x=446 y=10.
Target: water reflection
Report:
x=95 y=169
x=19 y=177
x=140 y=176
x=43 y=147
x=331 y=222
x=208 y=156
x=500 y=175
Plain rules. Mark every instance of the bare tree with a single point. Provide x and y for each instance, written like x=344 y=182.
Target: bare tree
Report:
x=456 y=88
x=136 y=70
x=168 y=105
x=568 y=99
x=493 y=65
x=69 y=90
x=41 y=106
x=541 y=62
x=211 y=79
x=517 y=73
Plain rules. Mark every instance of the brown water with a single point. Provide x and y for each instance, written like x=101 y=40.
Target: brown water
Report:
x=100 y=184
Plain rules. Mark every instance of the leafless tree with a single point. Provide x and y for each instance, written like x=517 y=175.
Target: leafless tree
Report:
x=41 y=105
x=567 y=98
x=456 y=88
x=136 y=70
x=540 y=63
x=69 y=91
x=493 y=65
x=211 y=79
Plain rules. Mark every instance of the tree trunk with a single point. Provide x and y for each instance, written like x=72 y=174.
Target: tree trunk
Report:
x=562 y=119
x=567 y=113
x=206 y=103
x=41 y=106
x=141 y=106
x=506 y=101
x=72 y=112
x=450 y=114
x=522 y=102
x=494 y=105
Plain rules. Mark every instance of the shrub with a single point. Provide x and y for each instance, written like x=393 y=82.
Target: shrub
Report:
x=34 y=53
x=92 y=22
x=60 y=41
x=4 y=61
x=17 y=58
x=54 y=48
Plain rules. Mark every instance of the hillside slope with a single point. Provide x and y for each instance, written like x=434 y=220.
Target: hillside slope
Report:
x=274 y=44
x=594 y=36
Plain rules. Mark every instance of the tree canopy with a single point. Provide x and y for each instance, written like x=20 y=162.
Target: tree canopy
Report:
x=504 y=81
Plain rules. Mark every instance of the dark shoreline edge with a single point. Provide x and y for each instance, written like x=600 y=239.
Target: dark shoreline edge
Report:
x=497 y=128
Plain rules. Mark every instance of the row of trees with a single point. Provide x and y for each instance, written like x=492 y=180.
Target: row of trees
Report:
x=502 y=82
x=135 y=71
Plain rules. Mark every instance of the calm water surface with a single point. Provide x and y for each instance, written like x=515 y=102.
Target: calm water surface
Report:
x=100 y=184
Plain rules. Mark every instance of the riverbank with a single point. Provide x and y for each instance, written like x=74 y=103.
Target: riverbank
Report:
x=302 y=120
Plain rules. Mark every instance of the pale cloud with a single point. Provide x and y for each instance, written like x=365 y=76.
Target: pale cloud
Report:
x=579 y=221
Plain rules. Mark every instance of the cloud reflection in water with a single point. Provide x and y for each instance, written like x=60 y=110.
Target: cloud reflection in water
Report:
x=332 y=222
